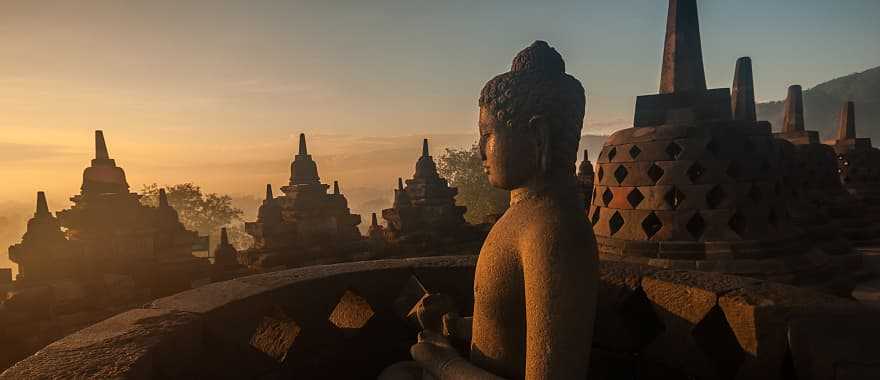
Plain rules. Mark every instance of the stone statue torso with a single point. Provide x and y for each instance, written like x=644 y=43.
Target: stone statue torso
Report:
x=499 y=324
x=499 y=302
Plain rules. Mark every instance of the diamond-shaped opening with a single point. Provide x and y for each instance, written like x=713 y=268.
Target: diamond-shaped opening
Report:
x=695 y=172
x=674 y=197
x=651 y=225
x=634 y=151
x=620 y=174
x=738 y=224
x=696 y=226
x=655 y=172
x=607 y=196
x=716 y=339
x=596 y=215
x=351 y=312
x=755 y=194
x=611 y=154
x=733 y=170
x=749 y=146
x=635 y=197
x=715 y=197
x=601 y=173
x=673 y=150
x=275 y=336
x=772 y=218
x=616 y=222
x=638 y=315
x=713 y=147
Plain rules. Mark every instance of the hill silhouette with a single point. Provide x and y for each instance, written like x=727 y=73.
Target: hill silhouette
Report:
x=822 y=105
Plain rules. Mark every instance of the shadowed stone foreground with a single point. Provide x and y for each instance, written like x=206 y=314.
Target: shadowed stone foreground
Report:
x=350 y=320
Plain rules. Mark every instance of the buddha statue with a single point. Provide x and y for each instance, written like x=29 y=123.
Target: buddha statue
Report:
x=536 y=276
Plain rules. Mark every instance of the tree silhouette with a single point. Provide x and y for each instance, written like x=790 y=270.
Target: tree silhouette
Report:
x=205 y=213
x=464 y=170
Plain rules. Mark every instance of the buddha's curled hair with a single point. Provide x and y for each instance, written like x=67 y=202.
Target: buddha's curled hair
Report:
x=538 y=85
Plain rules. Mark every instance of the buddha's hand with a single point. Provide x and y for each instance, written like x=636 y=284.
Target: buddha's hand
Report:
x=435 y=355
x=430 y=311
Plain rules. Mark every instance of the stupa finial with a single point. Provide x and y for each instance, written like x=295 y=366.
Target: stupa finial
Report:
x=743 y=91
x=302 y=145
x=399 y=183
x=224 y=237
x=42 y=205
x=101 y=146
x=683 y=53
x=269 y=195
x=375 y=221
x=335 y=187
x=846 y=128
x=425 y=148
x=163 y=198
x=793 y=120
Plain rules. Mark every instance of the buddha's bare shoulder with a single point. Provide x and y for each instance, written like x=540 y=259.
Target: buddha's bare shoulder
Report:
x=548 y=226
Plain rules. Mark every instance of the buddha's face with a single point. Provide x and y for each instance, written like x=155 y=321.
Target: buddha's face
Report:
x=509 y=154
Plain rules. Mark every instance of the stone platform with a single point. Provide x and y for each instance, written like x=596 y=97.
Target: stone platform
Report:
x=349 y=321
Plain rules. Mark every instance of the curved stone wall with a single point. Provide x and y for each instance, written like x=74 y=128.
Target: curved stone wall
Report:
x=348 y=321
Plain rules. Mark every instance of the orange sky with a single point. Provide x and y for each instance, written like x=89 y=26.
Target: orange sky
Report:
x=213 y=92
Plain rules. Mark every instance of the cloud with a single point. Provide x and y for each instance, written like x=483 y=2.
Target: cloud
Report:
x=16 y=153
x=606 y=127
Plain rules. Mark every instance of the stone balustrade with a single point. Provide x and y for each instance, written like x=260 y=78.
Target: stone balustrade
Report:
x=348 y=321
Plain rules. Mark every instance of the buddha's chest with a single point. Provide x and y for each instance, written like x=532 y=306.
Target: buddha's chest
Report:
x=499 y=310
x=498 y=272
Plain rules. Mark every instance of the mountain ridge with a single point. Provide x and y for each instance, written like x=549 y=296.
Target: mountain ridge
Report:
x=822 y=104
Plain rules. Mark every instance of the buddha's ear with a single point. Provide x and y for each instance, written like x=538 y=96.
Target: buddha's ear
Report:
x=540 y=127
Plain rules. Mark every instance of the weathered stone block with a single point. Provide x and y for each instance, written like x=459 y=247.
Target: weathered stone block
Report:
x=138 y=344
x=655 y=110
x=758 y=314
x=686 y=303
x=835 y=346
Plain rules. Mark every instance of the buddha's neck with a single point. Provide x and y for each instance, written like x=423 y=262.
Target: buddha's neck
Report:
x=560 y=185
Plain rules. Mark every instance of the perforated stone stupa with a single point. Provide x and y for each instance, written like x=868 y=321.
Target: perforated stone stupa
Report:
x=818 y=201
x=690 y=186
x=426 y=204
x=807 y=164
x=115 y=233
x=306 y=224
x=424 y=217
x=226 y=264
x=585 y=178
x=44 y=253
x=858 y=161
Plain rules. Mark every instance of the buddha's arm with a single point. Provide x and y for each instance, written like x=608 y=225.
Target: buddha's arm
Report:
x=460 y=328
x=435 y=355
x=560 y=274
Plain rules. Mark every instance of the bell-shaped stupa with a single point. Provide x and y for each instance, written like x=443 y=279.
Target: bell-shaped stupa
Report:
x=305 y=224
x=44 y=253
x=691 y=186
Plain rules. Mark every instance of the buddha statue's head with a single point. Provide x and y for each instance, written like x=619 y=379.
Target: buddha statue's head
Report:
x=531 y=120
